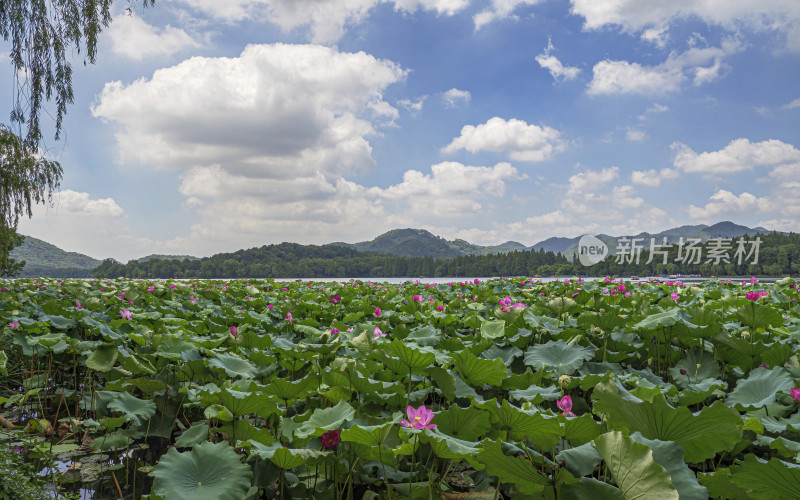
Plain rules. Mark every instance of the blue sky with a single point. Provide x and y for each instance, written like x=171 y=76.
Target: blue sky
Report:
x=210 y=126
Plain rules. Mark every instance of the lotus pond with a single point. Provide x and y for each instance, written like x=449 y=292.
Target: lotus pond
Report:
x=506 y=388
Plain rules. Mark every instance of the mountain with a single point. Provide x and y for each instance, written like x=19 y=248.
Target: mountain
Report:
x=421 y=243
x=43 y=259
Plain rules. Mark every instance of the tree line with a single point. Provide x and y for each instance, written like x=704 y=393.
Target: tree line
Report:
x=778 y=255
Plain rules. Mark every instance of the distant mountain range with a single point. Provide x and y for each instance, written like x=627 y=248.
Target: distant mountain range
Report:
x=44 y=259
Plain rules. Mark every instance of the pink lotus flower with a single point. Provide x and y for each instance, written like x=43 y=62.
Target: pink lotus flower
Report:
x=14 y=325
x=377 y=312
x=79 y=305
x=152 y=288
x=440 y=308
x=289 y=317
x=377 y=333
x=795 y=393
x=419 y=418
x=270 y=306
x=172 y=287
x=334 y=331
x=125 y=314
x=675 y=296
x=754 y=296
x=336 y=299
x=330 y=439
x=565 y=405
x=234 y=331
x=192 y=299
x=417 y=298
x=476 y=281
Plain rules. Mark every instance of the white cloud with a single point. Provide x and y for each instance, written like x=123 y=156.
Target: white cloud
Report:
x=657 y=36
x=455 y=97
x=700 y=65
x=521 y=141
x=276 y=111
x=78 y=222
x=133 y=38
x=551 y=63
x=725 y=203
x=652 y=177
x=325 y=19
x=635 y=134
x=763 y=111
x=588 y=184
x=451 y=190
x=641 y=16
x=739 y=155
x=413 y=106
x=792 y=105
x=500 y=9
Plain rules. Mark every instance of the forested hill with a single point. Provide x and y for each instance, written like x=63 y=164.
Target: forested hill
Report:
x=421 y=243
x=43 y=259
x=291 y=260
x=778 y=255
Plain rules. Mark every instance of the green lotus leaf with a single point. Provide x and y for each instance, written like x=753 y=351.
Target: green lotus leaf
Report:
x=635 y=471
x=511 y=423
x=589 y=488
x=493 y=329
x=559 y=356
x=102 y=358
x=412 y=358
x=759 y=388
x=757 y=315
x=325 y=419
x=518 y=471
x=245 y=402
x=714 y=429
x=233 y=366
x=448 y=447
x=133 y=408
x=580 y=460
x=196 y=434
x=59 y=322
x=468 y=424
x=3 y=361
x=581 y=430
x=425 y=336
x=477 y=372
x=507 y=354
x=669 y=455
x=766 y=481
x=785 y=447
x=664 y=319
x=370 y=435
x=210 y=471
x=699 y=365
x=444 y=380
x=536 y=394
x=719 y=485
x=288 y=389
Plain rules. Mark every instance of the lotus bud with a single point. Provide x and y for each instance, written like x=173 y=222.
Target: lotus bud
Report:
x=564 y=380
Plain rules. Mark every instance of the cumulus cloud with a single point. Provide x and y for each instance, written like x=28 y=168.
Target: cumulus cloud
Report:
x=455 y=97
x=522 y=142
x=275 y=111
x=739 y=155
x=653 y=177
x=643 y=16
x=724 y=202
x=698 y=65
x=413 y=106
x=590 y=184
x=499 y=9
x=551 y=63
x=452 y=189
x=326 y=20
x=133 y=38
x=78 y=222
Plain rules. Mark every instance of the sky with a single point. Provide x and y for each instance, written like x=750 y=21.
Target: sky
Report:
x=209 y=126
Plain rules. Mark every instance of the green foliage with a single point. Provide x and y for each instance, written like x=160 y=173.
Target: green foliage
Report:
x=273 y=407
